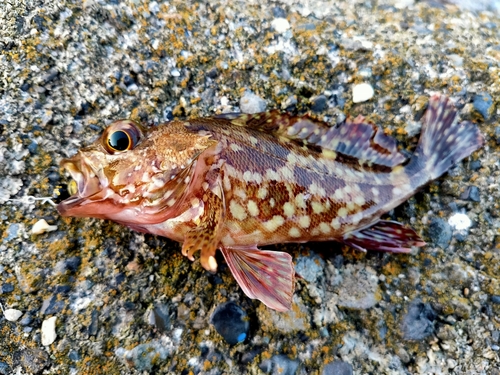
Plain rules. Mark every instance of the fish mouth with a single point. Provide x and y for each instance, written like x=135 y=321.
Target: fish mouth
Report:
x=85 y=185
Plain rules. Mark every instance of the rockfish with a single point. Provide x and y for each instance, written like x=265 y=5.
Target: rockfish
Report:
x=234 y=182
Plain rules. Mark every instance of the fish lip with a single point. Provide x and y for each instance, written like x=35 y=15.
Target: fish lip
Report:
x=87 y=181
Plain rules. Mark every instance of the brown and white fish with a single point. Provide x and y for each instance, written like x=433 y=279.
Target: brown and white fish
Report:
x=234 y=182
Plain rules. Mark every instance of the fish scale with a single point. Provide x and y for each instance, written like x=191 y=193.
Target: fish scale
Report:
x=236 y=182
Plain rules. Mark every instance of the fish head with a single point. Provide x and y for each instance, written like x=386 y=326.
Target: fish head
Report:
x=131 y=174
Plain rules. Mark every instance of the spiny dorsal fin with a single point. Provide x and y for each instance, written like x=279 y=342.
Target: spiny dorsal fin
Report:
x=355 y=138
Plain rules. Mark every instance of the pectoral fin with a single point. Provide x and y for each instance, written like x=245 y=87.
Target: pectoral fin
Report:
x=384 y=236
x=265 y=275
x=206 y=236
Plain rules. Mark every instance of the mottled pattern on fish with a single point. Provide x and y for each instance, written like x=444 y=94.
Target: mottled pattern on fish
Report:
x=234 y=182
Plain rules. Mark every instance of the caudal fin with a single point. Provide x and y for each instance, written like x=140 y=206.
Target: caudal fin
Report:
x=443 y=141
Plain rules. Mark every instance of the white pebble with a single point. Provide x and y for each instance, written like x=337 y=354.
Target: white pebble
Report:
x=460 y=222
x=41 y=226
x=12 y=315
x=49 y=331
x=251 y=103
x=280 y=25
x=362 y=92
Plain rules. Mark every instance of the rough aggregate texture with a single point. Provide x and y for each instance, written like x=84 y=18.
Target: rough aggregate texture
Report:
x=128 y=303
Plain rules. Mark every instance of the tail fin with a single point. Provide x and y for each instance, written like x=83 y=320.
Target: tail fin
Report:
x=443 y=142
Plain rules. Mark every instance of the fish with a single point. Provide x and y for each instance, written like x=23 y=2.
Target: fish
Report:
x=240 y=182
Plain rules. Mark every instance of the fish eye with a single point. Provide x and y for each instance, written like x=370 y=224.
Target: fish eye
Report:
x=119 y=141
x=121 y=136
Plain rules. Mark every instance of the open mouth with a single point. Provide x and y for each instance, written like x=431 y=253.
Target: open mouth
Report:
x=83 y=184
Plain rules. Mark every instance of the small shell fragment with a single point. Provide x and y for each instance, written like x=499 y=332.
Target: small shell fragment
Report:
x=12 y=315
x=41 y=226
x=49 y=331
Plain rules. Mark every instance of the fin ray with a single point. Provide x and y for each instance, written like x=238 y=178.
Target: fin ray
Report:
x=384 y=235
x=443 y=141
x=354 y=138
x=265 y=275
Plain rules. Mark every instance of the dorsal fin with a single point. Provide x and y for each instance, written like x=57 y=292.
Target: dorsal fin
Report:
x=355 y=138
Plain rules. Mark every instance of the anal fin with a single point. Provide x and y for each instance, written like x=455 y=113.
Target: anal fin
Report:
x=384 y=236
x=268 y=276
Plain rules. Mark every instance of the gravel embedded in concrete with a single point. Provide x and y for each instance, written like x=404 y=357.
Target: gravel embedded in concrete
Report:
x=128 y=303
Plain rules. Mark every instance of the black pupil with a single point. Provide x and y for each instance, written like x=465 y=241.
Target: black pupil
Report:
x=119 y=141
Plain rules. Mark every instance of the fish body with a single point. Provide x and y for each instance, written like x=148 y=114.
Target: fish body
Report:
x=235 y=182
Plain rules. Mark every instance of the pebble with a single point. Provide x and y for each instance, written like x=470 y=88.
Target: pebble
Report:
x=460 y=222
x=294 y=320
x=280 y=25
x=440 y=232
x=337 y=368
x=12 y=315
x=12 y=231
x=471 y=194
x=5 y=368
x=49 y=331
x=6 y=288
x=310 y=267
x=251 y=103
x=33 y=360
x=279 y=365
x=52 y=305
x=145 y=356
x=362 y=92
x=41 y=226
x=483 y=104
x=319 y=103
x=93 y=327
x=231 y=322
x=279 y=12
x=418 y=323
x=72 y=263
x=495 y=299
x=359 y=288
x=497 y=135
x=160 y=317
x=33 y=147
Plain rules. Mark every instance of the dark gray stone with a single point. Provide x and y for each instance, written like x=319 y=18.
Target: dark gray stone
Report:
x=74 y=355
x=497 y=135
x=337 y=368
x=52 y=305
x=279 y=12
x=33 y=147
x=280 y=365
x=231 y=322
x=483 y=103
x=213 y=73
x=471 y=194
x=476 y=164
x=440 y=232
x=319 y=103
x=161 y=317
x=418 y=323
x=94 y=323
x=73 y=263
x=26 y=320
x=4 y=368
x=495 y=299
x=7 y=288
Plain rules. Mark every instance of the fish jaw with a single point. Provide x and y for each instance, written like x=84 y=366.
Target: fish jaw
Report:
x=93 y=197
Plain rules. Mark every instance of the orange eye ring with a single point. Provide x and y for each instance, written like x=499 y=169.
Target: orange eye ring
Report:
x=121 y=136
